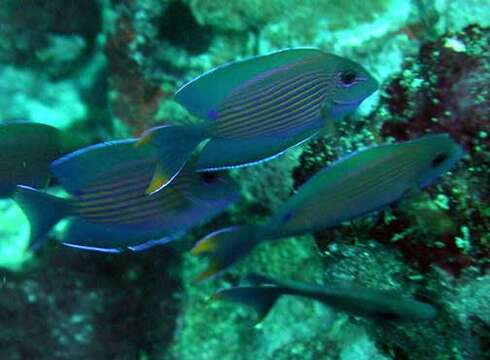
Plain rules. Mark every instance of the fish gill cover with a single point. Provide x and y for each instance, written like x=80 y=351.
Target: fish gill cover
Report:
x=101 y=70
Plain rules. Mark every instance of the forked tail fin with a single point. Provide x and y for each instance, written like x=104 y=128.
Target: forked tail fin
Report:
x=261 y=298
x=224 y=248
x=174 y=145
x=42 y=210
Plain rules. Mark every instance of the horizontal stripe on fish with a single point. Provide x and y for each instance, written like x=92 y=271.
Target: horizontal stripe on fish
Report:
x=106 y=203
x=130 y=197
x=131 y=180
x=370 y=182
x=149 y=216
x=287 y=118
x=141 y=211
x=282 y=120
x=264 y=92
x=137 y=184
x=130 y=173
x=351 y=192
x=172 y=198
x=300 y=118
x=273 y=91
x=118 y=189
x=266 y=82
x=373 y=182
x=122 y=209
x=250 y=100
x=262 y=113
x=400 y=171
x=272 y=105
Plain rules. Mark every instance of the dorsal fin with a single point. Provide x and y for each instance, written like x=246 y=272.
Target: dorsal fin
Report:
x=202 y=95
x=77 y=169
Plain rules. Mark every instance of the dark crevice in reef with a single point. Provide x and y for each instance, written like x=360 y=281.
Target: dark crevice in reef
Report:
x=180 y=28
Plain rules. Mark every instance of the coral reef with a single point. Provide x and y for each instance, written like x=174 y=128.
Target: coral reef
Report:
x=72 y=305
x=108 y=69
x=443 y=89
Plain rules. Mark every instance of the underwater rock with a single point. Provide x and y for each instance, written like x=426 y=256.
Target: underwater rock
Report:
x=446 y=224
x=445 y=89
x=51 y=36
x=211 y=330
x=461 y=330
x=77 y=305
x=29 y=95
x=62 y=303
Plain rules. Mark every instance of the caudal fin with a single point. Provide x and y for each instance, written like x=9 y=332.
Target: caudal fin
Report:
x=42 y=210
x=224 y=248
x=261 y=298
x=174 y=144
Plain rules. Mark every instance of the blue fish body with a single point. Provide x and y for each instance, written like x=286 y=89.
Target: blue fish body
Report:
x=358 y=184
x=363 y=182
x=109 y=210
x=255 y=109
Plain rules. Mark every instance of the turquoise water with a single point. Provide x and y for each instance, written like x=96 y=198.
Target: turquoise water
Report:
x=101 y=70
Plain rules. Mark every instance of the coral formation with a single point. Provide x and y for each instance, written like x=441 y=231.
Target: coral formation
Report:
x=108 y=69
x=70 y=305
x=443 y=89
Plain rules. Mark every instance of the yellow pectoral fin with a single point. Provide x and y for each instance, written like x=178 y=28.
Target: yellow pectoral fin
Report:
x=145 y=138
x=158 y=182
x=204 y=246
x=211 y=270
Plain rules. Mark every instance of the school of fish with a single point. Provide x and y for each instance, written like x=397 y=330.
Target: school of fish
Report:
x=134 y=194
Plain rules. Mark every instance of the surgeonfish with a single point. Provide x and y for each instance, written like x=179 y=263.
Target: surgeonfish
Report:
x=364 y=302
x=26 y=150
x=356 y=185
x=255 y=109
x=109 y=210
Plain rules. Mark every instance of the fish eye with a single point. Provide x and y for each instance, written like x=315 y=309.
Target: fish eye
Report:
x=347 y=78
x=439 y=159
x=209 y=177
x=389 y=316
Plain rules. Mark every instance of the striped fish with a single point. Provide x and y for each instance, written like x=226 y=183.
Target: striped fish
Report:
x=256 y=109
x=109 y=210
x=358 y=184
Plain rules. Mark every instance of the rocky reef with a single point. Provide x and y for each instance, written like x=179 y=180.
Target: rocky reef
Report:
x=108 y=70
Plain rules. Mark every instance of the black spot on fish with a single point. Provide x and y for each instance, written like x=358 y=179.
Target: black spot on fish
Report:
x=347 y=77
x=388 y=316
x=210 y=177
x=439 y=159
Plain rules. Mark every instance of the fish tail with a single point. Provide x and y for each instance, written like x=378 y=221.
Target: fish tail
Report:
x=174 y=144
x=224 y=248
x=260 y=298
x=42 y=210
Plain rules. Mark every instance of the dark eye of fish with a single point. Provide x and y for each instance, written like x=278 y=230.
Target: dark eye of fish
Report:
x=389 y=316
x=347 y=78
x=439 y=159
x=209 y=177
